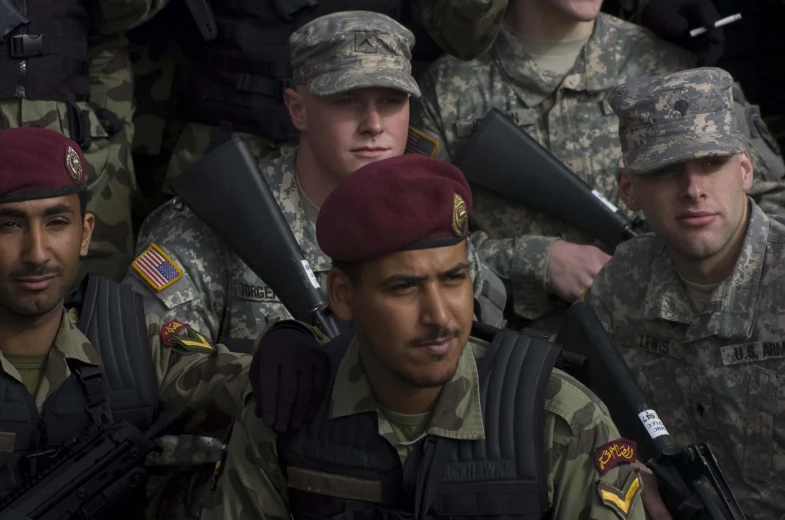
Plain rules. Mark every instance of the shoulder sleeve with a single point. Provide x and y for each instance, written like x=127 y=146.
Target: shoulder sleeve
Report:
x=426 y=117
x=464 y=29
x=251 y=484
x=203 y=379
x=181 y=270
x=577 y=428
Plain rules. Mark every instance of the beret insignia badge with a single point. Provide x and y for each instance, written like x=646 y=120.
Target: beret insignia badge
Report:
x=73 y=164
x=460 y=216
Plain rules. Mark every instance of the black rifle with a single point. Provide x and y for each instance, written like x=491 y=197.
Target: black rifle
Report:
x=691 y=482
x=10 y=18
x=89 y=476
x=226 y=189
x=503 y=158
x=287 y=8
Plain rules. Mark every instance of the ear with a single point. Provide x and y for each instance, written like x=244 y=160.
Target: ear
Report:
x=339 y=294
x=746 y=170
x=294 y=103
x=627 y=189
x=87 y=232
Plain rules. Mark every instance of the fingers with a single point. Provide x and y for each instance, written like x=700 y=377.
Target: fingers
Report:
x=266 y=392
x=305 y=386
x=321 y=371
x=286 y=396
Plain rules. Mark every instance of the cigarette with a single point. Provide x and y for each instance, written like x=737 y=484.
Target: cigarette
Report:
x=719 y=23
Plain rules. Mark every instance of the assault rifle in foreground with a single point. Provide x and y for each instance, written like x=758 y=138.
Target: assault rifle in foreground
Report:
x=10 y=19
x=89 y=476
x=226 y=190
x=691 y=482
x=503 y=158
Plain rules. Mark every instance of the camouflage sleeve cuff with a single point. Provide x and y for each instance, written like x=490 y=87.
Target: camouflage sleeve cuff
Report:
x=522 y=263
x=294 y=324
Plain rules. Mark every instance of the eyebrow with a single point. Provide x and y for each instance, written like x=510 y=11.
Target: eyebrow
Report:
x=405 y=278
x=57 y=209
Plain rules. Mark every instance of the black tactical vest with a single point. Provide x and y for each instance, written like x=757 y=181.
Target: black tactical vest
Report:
x=46 y=59
x=112 y=318
x=343 y=469
x=239 y=77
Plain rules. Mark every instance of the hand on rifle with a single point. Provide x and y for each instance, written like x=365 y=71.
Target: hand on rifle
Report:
x=652 y=501
x=572 y=268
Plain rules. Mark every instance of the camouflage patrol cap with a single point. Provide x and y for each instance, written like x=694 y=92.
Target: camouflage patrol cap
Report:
x=672 y=118
x=351 y=50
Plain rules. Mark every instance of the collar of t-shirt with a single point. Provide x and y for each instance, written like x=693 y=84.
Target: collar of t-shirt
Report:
x=556 y=57
x=699 y=294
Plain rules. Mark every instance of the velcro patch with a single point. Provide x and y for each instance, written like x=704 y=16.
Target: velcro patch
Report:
x=418 y=142
x=7 y=442
x=620 y=500
x=612 y=454
x=187 y=340
x=169 y=328
x=156 y=268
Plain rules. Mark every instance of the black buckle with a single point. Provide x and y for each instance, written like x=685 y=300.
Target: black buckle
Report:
x=33 y=463
x=27 y=45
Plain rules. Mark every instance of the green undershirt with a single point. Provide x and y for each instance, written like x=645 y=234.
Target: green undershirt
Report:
x=409 y=429
x=30 y=368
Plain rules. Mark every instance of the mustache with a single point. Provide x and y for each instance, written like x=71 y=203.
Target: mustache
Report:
x=36 y=271
x=435 y=336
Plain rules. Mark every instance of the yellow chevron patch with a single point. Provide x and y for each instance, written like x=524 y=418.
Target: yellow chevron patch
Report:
x=620 y=500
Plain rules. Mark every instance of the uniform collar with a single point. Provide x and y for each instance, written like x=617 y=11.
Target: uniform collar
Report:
x=596 y=69
x=69 y=344
x=457 y=414
x=282 y=180
x=732 y=309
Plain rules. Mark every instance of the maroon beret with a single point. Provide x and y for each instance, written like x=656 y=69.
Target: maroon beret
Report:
x=39 y=164
x=405 y=202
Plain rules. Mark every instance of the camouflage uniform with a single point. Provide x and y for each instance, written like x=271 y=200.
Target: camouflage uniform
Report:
x=714 y=373
x=252 y=484
x=714 y=376
x=218 y=294
x=466 y=28
x=571 y=117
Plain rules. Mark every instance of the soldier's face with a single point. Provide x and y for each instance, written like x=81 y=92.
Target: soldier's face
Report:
x=346 y=131
x=41 y=242
x=412 y=311
x=571 y=10
x=698 y=207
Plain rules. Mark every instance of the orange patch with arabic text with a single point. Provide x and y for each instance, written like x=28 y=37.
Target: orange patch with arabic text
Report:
x=169 y=329
x=612 y=454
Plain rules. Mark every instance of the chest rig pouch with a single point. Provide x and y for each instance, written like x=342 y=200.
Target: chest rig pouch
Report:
x=123 y=387
x=343 y=469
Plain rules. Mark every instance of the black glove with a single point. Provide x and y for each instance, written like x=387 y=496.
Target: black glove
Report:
x=288 y=376
x=672 y=20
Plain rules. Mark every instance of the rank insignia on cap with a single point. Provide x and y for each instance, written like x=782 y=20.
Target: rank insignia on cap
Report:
x=186 y=340
x=620 y=500
x=156 y=268
x=612 y=454
x=460 y=216
x=73 y=164
x=418 y=142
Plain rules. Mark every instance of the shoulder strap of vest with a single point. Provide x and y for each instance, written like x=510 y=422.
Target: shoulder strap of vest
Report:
x=529 y=358
x=112 y=319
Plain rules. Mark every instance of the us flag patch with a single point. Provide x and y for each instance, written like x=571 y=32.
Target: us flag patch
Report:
x=156 y=268
x=418 y=142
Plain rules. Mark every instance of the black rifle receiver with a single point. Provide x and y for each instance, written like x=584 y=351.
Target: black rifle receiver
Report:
x=10 y=19
x=503 y=158
x=691 y=482
x=89 y=476
x=226 y=189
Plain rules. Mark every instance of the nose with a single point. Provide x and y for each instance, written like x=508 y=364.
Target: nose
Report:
x=372 y=122
x=434 y=312
x=36 y=250
x=693 y=188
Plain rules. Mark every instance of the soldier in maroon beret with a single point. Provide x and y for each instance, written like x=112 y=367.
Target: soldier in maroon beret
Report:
x=426 y=414
x=92 y=357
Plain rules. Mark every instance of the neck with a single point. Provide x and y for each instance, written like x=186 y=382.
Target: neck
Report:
x=315 y=179
x=29 y=335
x=538 y=21
x=717 y=267
x=395 y=394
